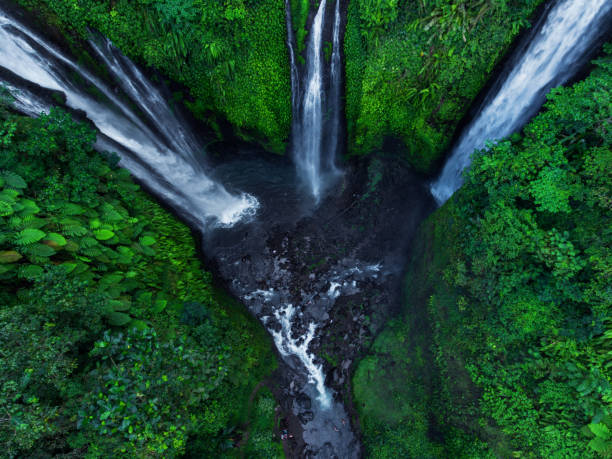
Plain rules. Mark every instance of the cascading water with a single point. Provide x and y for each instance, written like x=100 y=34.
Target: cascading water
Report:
x=334 y=94
x=307 y=148
x=165 y=159
x=316 y=118
x=559 y=45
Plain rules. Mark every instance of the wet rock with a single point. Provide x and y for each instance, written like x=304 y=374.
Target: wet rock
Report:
x=303 y=401
x=306 y=416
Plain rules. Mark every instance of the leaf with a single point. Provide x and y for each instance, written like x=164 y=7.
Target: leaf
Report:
x=118 y=319
x=147 y=241
x=159 y=306
x=29 y=236
x=74 y=229
x=29 y=207
x=40 y=250
x=6 y=208
x=103 y=234
x=600 y=445
x=13 y=180
x=30 y=272
x=10 y=256
x=57 y=240
x=138 y=324
x=69 y=267
x=72 y=209
x=600 y=430
x=120 y=305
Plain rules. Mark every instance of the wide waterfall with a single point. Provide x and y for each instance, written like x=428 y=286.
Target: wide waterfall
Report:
x=559 y=45
x=165 y=156
x=316 y=114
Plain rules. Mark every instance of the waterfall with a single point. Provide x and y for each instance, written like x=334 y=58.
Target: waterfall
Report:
x=560 y=44
x=336 y=87
x=165 y=156
x=316 y=118
x=295 y=76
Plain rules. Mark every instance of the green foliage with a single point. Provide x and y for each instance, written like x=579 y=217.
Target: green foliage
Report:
x=299 y=18
x=512 y=279
x=231 y=55
x=262 y=443
x=412 y=68
x=95 y=359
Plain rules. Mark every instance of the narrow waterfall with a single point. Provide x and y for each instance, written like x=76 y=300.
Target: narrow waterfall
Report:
x=164 y=158
x=307 y=147
x=560 y=44
x=295 y=76
x=316 y=103
x=334 y=94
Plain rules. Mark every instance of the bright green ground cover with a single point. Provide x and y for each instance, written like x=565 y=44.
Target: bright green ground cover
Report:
x=504 y=347
x=113 y=341
x=413 y=68
x=230 y=54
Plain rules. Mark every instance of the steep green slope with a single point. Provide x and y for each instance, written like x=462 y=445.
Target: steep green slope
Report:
x=504 y=348
x=231 y=55
x=113 y=341
x=413 y=67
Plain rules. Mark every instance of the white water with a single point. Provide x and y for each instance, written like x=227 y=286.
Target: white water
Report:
x=335 y=90
x=551 y=59
x=295 y=77
x=308 y=142
x=165 y=159
x=287 y=345
x=316 y=115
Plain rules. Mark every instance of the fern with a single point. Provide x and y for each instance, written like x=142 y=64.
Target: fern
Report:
x=74 y=230
x=13 y=180
x=88 y=242
x=109 y=214
x=39 y=252
x=91 y=251
x=70 y=208
x=27 y=207
x=6 y=208
x=29 y=236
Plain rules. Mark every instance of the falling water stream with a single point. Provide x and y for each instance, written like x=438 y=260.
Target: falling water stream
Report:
x=164 y=157
x=557 y=48
x=316 y=103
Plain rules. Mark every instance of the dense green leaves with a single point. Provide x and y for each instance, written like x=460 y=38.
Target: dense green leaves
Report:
x=413 y=68
x=512 y=280
x=95 y=360
x=230 y=55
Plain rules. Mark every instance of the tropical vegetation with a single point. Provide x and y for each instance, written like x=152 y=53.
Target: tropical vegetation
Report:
x=113 y=340
x=414 y=67
x=504 y=347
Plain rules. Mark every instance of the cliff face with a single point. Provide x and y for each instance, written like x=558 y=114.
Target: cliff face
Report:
x=230 y=57
x=413 y=69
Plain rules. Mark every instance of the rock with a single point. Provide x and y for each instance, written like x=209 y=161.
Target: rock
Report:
x=306 y=416
x=303 y=401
